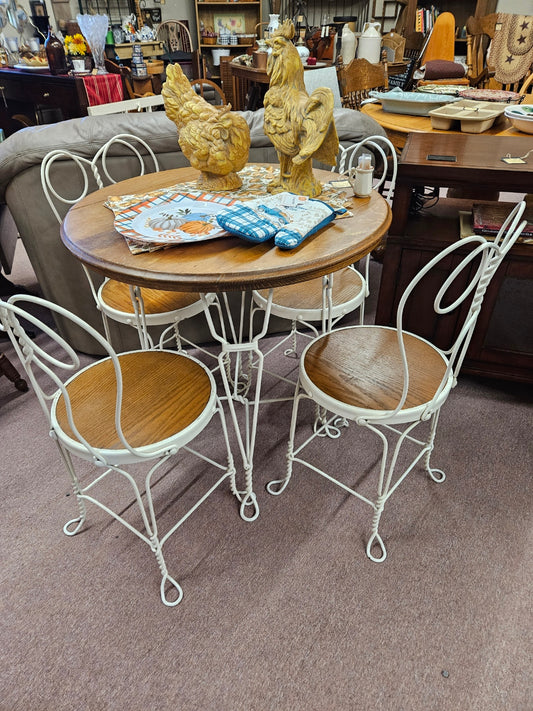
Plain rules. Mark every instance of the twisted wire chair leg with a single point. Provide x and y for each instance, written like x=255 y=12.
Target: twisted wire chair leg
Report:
x=82 y=509
x=437 y=475
x=375 y=539
x=166 y=577
x=292 y=351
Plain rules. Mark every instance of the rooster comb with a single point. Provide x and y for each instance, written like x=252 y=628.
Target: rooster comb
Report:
x=286 y=29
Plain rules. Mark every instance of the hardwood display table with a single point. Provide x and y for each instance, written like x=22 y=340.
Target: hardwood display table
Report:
x=398 y=126
x=222 y=265
x=502 y=345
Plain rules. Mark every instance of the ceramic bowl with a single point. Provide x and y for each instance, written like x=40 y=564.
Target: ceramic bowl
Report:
x=521 y=117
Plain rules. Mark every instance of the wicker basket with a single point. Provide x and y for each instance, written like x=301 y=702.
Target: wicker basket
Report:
x=155 y=66
x=209 y=40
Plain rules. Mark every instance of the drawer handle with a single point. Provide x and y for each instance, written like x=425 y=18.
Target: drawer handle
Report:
x=46 y=95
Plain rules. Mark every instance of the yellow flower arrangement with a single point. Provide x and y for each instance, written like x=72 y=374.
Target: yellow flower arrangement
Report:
x=75 y=45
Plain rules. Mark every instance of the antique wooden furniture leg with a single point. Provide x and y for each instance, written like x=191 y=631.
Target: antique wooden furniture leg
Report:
x=8 y=369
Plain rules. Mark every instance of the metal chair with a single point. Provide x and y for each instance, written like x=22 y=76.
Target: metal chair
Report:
x=328 y=299
x=136 y=408
x=124 y=303
x=391 y=381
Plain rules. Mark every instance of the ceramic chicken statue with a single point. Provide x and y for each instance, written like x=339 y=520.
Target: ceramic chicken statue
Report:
x=300 y=126
x=214 y=139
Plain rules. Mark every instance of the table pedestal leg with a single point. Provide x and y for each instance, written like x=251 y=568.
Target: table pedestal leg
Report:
x=239 y=358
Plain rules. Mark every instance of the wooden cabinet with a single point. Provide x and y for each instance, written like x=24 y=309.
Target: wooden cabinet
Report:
x=42 y=98
x=243 y=17
x=502 y=345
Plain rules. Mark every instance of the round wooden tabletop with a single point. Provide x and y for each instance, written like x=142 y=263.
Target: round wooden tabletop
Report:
x=224 y=264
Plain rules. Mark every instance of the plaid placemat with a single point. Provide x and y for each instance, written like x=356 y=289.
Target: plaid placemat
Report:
x=255 y=179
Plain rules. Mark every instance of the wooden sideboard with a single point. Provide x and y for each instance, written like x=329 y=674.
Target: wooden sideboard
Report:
x=41 y=97
x=502 y=344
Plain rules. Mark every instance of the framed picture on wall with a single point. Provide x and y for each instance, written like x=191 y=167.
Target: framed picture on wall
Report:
x=38 y=9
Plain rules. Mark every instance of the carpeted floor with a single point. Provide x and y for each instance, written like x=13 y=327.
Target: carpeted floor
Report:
x=285 y=613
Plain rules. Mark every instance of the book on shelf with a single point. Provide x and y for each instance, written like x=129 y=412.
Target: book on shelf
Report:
x=487 y=218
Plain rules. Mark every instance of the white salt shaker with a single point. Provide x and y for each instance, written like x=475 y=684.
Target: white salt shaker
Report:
x=362 y=176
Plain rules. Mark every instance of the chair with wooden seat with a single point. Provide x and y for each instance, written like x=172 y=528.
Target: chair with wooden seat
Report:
x=127 y=417
x=439 y=55
x=326 y=300
x=511 y=58
x=391 y=381
x=210 y=91
x=141 y=309
x=358 y=78
x=177 y=42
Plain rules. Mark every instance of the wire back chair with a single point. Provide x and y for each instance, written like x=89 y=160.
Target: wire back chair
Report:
x=391 y=381
x=326 y=300
x=135 y=408
x=124 y=303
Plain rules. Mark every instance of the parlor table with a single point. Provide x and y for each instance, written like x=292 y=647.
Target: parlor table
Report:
x=221 y=265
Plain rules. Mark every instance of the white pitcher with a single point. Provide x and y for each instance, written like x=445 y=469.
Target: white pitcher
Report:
x=369 y=46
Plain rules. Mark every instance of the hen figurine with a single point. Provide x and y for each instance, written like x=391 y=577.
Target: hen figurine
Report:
x=300 y=126
x=214 y=139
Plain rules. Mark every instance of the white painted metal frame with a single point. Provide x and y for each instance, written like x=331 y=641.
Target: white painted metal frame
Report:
x=241 y=364
x=50 y=374
x=97 y=168
x=331 y=310
x=386 y=423
x=141 y=103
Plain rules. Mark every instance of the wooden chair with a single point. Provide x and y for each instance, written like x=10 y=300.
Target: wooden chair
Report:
x=480 y=30
x=390 y=381
x=177 y=41
x=482 y=73
x=358 y=78
x=209 y=91
x=441 y=47
x=8 y=369
x=141 y=408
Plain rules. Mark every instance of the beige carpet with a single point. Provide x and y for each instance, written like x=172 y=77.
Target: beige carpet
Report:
x=286 y=613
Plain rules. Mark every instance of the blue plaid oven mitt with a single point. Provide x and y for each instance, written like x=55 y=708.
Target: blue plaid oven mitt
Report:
x=287 y=217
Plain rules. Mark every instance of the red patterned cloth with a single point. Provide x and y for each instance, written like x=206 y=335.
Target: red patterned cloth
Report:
x=103 y=88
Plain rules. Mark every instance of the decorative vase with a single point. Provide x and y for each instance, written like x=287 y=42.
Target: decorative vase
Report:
x=273 y=24
x=94 y=29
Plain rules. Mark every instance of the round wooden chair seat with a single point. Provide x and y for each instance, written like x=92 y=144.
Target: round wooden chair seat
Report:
x=173 y=389
x=307 y=297
x=116 y=295
x=361 y=367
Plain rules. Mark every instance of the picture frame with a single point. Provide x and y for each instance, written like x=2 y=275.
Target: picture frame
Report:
x=38 y=9
x=229 y=23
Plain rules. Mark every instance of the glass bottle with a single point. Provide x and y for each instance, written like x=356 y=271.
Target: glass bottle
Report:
x=55 y=53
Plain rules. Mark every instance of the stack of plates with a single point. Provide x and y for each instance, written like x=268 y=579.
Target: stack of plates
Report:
x=521 y=117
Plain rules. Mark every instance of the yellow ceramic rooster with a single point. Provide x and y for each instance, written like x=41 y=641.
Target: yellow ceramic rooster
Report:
x=214 y=139
x=300 y=126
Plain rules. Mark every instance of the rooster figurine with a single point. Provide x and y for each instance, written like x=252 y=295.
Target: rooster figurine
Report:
x=214 y=139
x=300 y=126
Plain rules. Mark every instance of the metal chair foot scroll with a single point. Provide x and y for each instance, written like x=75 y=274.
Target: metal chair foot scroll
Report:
x=393 y=382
